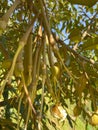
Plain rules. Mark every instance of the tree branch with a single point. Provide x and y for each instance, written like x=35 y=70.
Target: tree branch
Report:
x=4 y=19
x=22 y=43
x=46 y=24
x=95 y=64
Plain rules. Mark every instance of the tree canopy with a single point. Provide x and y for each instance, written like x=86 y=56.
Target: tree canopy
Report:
x=48 y=64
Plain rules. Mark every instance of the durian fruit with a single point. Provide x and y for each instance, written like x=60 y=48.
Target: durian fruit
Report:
x=58 y=112
x=94 y=118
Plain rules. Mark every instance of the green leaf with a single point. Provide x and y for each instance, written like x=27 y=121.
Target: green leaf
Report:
x=75 y=35
x=90 y=44
x=83 y=2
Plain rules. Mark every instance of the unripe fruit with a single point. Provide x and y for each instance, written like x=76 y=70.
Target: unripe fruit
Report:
x=56 y=70
x=94 y=119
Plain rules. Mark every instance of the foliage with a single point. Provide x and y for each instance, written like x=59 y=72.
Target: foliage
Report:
x=49 y=62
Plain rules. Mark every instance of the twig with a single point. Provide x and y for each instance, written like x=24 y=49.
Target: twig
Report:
x=27 y=93
x=4 y=19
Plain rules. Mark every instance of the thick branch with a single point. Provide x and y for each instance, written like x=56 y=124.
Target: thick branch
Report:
x=22 y=43
x=4 y=19
x=46 y=24
x=24 y=39
x=10 y=11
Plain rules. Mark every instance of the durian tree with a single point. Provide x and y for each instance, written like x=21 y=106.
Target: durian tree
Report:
x=48 y=64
